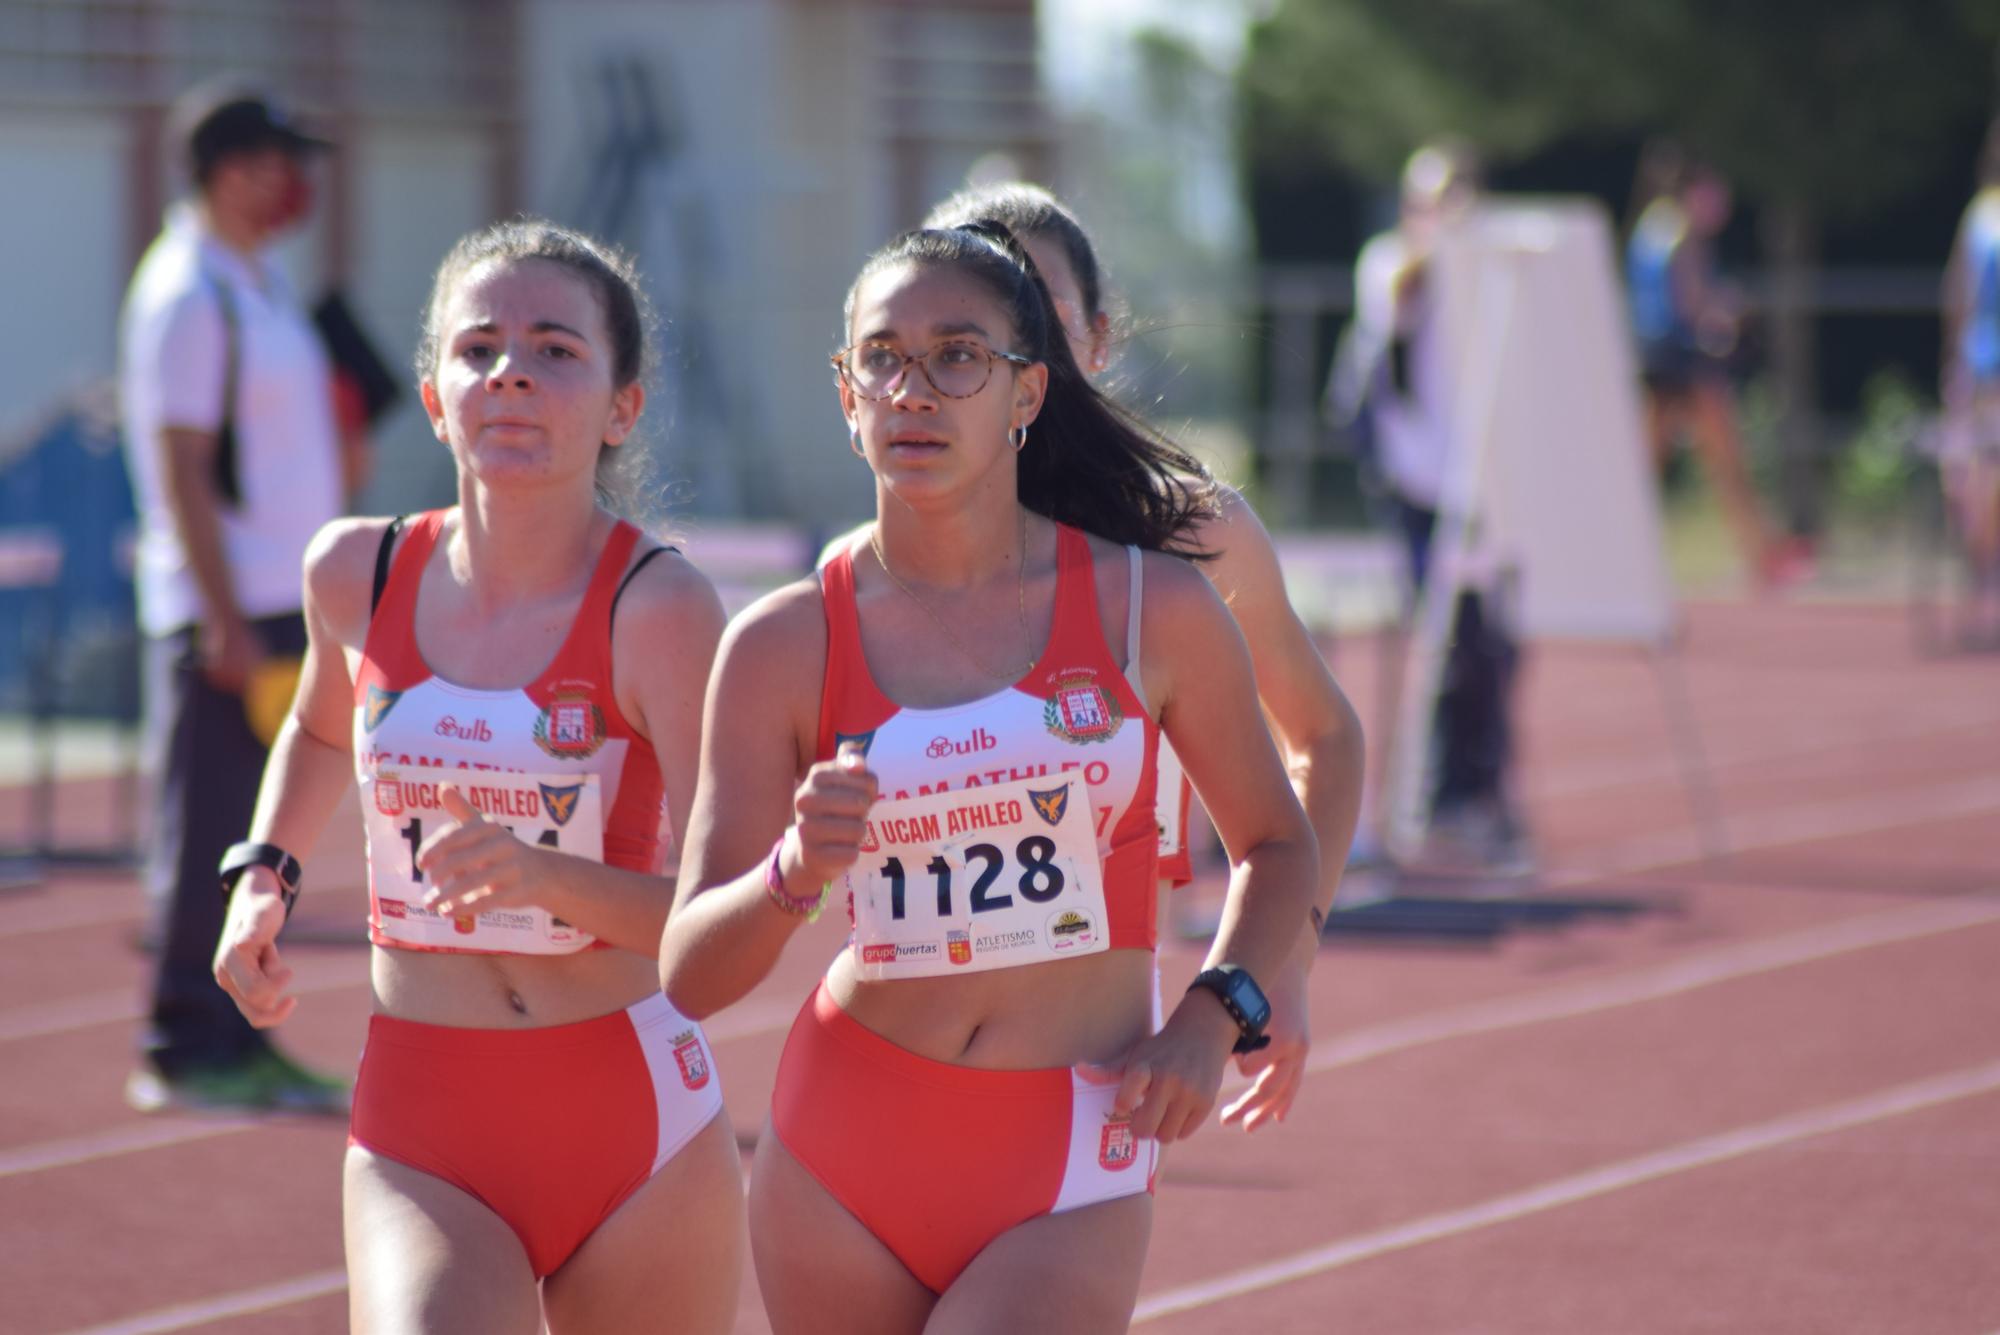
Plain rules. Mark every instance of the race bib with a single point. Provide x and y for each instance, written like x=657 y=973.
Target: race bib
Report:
x=981 y=878
x=402 y=808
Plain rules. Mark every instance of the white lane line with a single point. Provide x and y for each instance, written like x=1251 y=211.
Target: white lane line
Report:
x=1733 y=1144
x=244 y=1302
x=1589 y=778
x=1653 y=984
x=1801 y=824
x=1677 y=847
x=126 y=1004
x=120 y=1140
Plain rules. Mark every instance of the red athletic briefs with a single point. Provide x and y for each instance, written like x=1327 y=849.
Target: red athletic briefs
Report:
x=551 y=1129
x=939 y=1160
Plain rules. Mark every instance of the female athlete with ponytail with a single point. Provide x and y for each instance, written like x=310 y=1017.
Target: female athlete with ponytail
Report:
x=952 y=733
x=1317 y=732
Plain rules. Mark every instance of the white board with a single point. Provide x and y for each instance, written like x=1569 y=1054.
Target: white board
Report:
x=1552 y=466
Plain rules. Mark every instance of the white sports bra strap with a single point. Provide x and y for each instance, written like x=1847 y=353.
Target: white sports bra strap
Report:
x=1135 y=559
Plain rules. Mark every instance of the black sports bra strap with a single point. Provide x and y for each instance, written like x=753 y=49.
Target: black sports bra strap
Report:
x=637 y=566
x=382 y=555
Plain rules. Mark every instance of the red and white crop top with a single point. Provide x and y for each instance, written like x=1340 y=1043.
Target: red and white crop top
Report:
x=1004 y=760
x=554 y=761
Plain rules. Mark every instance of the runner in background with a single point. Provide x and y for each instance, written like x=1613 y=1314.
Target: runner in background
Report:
x=953 y=730
x=516 y=684
x=1316 y=729
x=1970 y=383
x=1688 y=324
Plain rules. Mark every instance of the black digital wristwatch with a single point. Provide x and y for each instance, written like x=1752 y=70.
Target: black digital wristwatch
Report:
x=1242 y=998
x=239 y=858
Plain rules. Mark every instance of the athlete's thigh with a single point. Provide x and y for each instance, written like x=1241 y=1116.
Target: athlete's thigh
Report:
x=1074 y=1273
x=670 y=1258
x=422 y=1256
x=820 y=1270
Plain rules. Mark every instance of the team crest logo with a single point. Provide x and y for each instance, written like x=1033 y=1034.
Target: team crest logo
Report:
x=1117 y=1147
x=867 y=739
x=958 y=947
x=464 y=923
x=869 y=843
x=570 y=727
x=1081 y=711
x=1052 y=805
x=388 y=795
x=377 y=707
x=691 y=1059
x=560 y=799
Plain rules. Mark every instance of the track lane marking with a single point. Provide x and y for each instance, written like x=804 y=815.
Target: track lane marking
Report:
x=48 y=1154
x=1747 y=959
x=1686 y=1157
x=244 y=1302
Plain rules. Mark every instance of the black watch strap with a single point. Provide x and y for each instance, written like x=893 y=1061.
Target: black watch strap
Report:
x=1219 y=981
x=239 y=858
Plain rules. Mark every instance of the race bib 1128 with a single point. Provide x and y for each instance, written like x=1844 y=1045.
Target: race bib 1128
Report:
x=981 y=878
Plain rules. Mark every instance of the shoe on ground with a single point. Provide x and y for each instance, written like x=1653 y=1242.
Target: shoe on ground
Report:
x=268 y=1082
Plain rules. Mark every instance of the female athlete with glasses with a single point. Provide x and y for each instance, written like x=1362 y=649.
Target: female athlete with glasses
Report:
x=516 y=684
x=1312 y=722
x=954 y=729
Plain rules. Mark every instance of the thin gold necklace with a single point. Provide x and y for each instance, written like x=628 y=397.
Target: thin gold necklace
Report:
x=1020 y=604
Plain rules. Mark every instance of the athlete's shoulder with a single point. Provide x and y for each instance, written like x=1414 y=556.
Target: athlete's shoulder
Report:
x=340 y=568
x=1230 y=521
x=791 y=619
x=664 y=591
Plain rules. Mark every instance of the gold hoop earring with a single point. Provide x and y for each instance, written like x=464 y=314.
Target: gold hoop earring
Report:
x=854 y=443
x=1018 y=437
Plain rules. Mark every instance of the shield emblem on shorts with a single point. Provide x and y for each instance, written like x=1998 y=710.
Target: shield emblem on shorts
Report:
x=1117 y=1147
x=1052 y=804
x=691 y=1059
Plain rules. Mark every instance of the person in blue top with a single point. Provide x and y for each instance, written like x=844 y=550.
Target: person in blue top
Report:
x=1687 y=322
x=1970 y=380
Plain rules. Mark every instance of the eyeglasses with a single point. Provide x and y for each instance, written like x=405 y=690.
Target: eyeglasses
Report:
x=956 y=369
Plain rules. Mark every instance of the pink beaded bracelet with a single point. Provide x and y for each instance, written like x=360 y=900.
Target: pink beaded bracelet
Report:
x=774 y=886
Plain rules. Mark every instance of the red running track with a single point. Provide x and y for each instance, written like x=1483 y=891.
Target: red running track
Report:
x=1772 y=1104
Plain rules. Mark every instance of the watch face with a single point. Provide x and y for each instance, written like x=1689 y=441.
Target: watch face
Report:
x=1249 y=999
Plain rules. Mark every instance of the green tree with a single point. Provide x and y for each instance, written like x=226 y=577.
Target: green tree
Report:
x=1817 y=109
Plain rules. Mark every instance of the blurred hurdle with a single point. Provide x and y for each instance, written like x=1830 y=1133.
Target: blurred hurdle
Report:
x=68 y=639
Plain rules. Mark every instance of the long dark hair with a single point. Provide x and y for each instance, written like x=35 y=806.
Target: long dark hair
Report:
x=1088 y=462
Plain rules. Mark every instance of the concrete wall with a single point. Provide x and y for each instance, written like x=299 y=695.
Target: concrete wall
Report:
x=62 y=265
x=750 y=152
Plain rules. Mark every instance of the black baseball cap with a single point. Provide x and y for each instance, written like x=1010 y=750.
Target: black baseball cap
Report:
x=215 y=123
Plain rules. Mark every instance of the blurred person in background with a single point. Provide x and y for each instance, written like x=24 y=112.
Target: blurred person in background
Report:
x=1315 y=727
x=1970 y=381
x=236 y=459
x=1392 y=383
x=1688 y=324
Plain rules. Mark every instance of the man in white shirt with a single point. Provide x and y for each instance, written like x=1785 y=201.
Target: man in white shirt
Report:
x=236 y=460
x=1397 y=373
